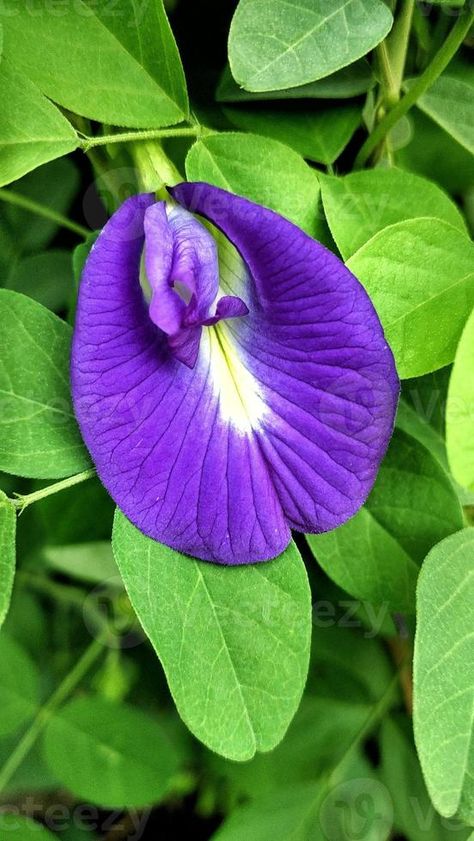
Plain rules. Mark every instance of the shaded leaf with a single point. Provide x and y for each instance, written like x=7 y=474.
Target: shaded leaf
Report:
x=449 y=101
x=17 y=827
x=93 y=562
x=45 y=277
x=320 y=135
x=19 y=686
x=113 y=755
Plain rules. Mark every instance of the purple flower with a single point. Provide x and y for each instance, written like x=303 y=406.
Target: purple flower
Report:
x=249 y=393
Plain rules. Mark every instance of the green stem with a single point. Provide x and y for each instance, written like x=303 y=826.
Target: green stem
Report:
x=389 y=83
x=130 y=136
x=420 y=85
x=41 y=210
x=65 y=688
x=397 y=43
x=21 y=502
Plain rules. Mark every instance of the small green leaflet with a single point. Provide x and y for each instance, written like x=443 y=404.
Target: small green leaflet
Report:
x=319 y=134
x=18 y=828
x=444 y=675
x=123 y=69
x=432 y=151
x=233 y=161
x=39 y=436
x=450 y=103
x=460 y=410
x=32 y=129
x=359 y=205
x=7 y=553
x=376 y=554
x=350 y=81
x=396 y=267
x=111 y=754
x=219 y=632
x=19 y=686
x=276 y=44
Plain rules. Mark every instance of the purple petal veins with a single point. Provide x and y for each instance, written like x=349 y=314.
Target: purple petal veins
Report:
x=253 y=394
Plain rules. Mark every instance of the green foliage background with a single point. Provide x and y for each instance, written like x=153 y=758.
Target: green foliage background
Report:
x=327 y=695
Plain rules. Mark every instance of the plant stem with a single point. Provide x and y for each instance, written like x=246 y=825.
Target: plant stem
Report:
x=397 y=43
x=21 y=502
x=129 y=136
x=41 y=210
x=420 y=85
x=72 y=679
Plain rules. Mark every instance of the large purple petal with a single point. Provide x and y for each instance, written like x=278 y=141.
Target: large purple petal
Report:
x=314 y=344
x=174 y=464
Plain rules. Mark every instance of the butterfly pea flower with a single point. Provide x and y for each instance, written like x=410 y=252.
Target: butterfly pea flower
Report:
x=230 y=375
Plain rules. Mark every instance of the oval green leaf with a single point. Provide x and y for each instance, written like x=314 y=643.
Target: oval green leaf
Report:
x=276 y=44
x=110 y=754
x=450 y=103
x=39 y=436
x=444 y=675
x=219 y=632
x=460 y=410
x=396 y=267
x=319 y=134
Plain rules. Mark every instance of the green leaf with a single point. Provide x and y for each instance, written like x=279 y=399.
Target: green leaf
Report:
x=45 y=277
x=23 y=829
x=284 y=814
x=19 y=686
x=415 y=815
x=376 y=554
x=113 y=755
x=7 y=553
x=280 y=44
x=32 y=129
x=349 y=81
x=460 y=410
x=444 y=675
x=450 y=103
x=55 y=184
x=219 y=633
x=320 y=135
x=396 y=268
x=92 y=562
x=433 y=153
x=39 y=434
x=233 y=161
x=123 y=69
x=359 y=205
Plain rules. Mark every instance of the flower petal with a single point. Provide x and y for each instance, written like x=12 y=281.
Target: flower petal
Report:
x=171 y=460
x=314 y=349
